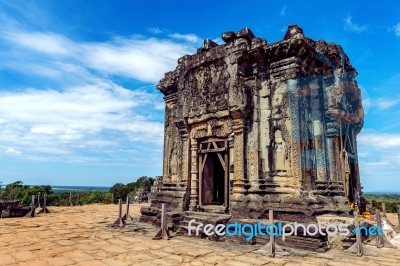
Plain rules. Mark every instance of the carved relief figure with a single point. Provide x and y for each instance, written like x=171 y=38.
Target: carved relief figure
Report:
x=280 y=154
x=276 y=103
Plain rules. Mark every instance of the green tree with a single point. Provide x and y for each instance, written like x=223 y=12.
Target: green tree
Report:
x=13 y=190
x=93 y=197
x=119 y=190
x=107 y=198
x=145 y=182
x=25 y=194
x=17 y=190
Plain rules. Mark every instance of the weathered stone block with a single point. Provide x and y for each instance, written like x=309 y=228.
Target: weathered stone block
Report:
x=252 y=127
x=228 y=36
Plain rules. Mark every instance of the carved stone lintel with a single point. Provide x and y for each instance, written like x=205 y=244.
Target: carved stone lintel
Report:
x=212 y=128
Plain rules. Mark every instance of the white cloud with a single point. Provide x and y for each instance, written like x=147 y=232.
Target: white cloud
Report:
x=375 y=164
x=13 y=151
x=283 y=11
x=397 y=29
x=145 y=60
x=380 y=167
x=136 y=57
x=78 y=119
x=218 y=40
x=79 y=113
x=159 y=105
x=155 y=30
x=42 y=42
x=350 y=26
x=186 y=37
x=382 y=142
x=384 y=103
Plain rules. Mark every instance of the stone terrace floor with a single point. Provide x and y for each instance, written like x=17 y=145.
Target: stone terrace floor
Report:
x=81 y=235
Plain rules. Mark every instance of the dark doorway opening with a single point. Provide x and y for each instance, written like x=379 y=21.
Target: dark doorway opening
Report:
x=213 y=173
x=213 y=181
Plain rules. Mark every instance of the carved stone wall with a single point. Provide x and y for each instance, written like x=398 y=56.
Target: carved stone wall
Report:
x=290 y=111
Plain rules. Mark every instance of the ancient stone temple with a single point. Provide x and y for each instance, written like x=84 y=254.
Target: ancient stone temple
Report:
x=252 y=126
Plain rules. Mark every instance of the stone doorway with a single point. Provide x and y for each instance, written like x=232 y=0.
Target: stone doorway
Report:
x=213 y=173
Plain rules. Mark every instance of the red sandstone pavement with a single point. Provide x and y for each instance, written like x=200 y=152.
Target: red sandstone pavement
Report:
x=81 y=236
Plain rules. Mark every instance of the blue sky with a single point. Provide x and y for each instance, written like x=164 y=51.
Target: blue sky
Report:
x=78 y=104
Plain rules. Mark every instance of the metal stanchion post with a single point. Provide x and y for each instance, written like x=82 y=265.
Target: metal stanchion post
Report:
x=271 y=247
x=380 y=240
x=31 y=213
x=119 y=222
x=384 y=209
x=163 y=233
x=44 y=209
x=70 y=199
x=127 y=216
x=358 y=247
x=38 y=200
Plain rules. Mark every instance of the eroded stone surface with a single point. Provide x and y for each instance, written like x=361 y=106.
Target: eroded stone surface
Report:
x=252 y=127
x=43 y=243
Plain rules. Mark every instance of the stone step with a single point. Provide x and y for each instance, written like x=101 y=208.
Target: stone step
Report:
x=174 y=189
x=207 y=214
x=213 y=209
x=206 y=218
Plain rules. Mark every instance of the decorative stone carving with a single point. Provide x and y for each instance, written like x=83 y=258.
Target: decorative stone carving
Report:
x=273 y=118
x=212 y=128
x=280 y=154
x=346 y=172
x=278 y=114
x=194 y=178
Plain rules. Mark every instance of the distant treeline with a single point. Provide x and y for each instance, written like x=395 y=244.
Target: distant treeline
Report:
x=17 y=190
x=391 y=201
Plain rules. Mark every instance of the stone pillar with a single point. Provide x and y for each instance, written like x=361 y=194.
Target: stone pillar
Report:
x=265 y=115
x=238 y=130
x=338 y=161
x=185 y=153
x=316 y=92
x=319 y=151
x=194 y=194
x=167 y=136
x=253 y=147
x=331 y=132
x=170 y=101
x=296 y=162
x=185 y=157
x=231 y=160
x=330 y=149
